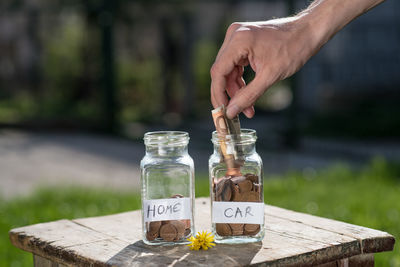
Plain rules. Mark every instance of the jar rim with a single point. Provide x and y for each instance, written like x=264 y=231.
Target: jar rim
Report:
x=166 y=138
x=247 y=136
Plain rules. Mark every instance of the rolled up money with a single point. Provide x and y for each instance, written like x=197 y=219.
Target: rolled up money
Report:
x=227 y=130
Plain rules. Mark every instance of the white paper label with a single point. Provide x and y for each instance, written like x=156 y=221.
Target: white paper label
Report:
x=238 y=212
x=166 y=209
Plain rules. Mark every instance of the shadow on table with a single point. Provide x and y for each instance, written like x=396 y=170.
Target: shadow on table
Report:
x=140 y=254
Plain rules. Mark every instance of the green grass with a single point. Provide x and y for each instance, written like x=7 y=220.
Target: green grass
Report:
x=369 y=197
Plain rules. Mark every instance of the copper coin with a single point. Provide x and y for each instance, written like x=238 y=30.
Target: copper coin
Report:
x=223 y=190
x=251 y=196
x=180 y=229
x=238 y=179
x=237 y=228
x=151 y=236
x=245 y=186
x=168 y=232
x=153 y=227
x=236 y=195
x=252 y=177
x=251 y=229
x=187 y=232
x=223 y=229
x=186 y=223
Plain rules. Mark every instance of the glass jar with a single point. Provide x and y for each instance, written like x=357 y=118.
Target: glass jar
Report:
x=237 y=199
x=167 y=182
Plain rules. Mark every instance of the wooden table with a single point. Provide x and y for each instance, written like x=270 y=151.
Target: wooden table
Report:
x=291 y=239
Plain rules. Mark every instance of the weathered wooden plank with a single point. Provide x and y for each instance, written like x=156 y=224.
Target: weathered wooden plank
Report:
x=39 y=261
x=97 y=253
x=56 y=240
x=371 y=240
x=234 y=255
x=304 y=231
x=125 y=226
x=275 y=246
x=286 y=250
x=291 y=239
x=60 y=234
x=364 y=260
x=287 y=238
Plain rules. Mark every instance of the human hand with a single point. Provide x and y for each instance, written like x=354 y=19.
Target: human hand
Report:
x=275 y=50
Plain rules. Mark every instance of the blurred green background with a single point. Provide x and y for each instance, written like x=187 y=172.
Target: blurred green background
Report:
x=81 y=81
x=107 y=65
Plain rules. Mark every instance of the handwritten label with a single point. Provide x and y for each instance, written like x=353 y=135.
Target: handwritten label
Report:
x=166 y=209
x=238 y=212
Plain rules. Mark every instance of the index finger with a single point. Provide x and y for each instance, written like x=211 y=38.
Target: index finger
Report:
x=218 y=95
x=222 y=67
x=218 y=72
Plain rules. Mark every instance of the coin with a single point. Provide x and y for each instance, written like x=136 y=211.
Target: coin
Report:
x=151 y=236
x=153 y=227
x=168 y=232
x=251 y=196
x=245 y=186
x=236 y=196
x=238 y=179
x=223 y=189
x=237 y=228
x=186 y=223
x=251 y=229
x=252 y=177
x=180 y=229
x=223 y=229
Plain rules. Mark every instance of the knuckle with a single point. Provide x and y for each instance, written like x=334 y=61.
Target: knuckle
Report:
x=214 y=70
x=233 y=27
x=244 y=34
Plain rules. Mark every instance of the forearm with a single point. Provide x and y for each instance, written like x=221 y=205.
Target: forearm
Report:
x=326 y=17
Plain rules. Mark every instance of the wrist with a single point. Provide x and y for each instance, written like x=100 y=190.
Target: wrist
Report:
x=325 y=18
x=320 y=23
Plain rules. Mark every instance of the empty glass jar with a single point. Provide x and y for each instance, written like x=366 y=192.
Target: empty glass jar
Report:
x=237 y=202
x=167 y=182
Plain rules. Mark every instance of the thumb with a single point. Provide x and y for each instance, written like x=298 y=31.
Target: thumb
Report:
x=245 y=98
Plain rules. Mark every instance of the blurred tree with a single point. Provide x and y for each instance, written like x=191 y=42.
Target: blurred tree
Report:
x=169 y=54
x=106 y=20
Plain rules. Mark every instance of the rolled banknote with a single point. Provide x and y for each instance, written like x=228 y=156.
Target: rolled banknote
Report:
x=228 y=134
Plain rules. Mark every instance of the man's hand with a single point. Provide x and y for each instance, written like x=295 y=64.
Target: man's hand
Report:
x=275 y=50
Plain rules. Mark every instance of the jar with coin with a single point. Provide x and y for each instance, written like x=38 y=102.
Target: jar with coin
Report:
x=167 y=183
x=236 y=182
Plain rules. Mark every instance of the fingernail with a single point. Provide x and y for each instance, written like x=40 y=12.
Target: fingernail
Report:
x=232 y=111
x=248 y=112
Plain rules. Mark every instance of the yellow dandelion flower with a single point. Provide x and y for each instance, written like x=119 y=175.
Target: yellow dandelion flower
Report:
x=203 y=240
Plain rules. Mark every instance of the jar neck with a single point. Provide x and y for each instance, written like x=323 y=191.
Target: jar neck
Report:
x=243 y=149
x=166 y=151
x=243 y=144
x=166 y=143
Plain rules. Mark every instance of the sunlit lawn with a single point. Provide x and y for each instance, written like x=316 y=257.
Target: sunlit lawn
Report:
x=368 y=197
